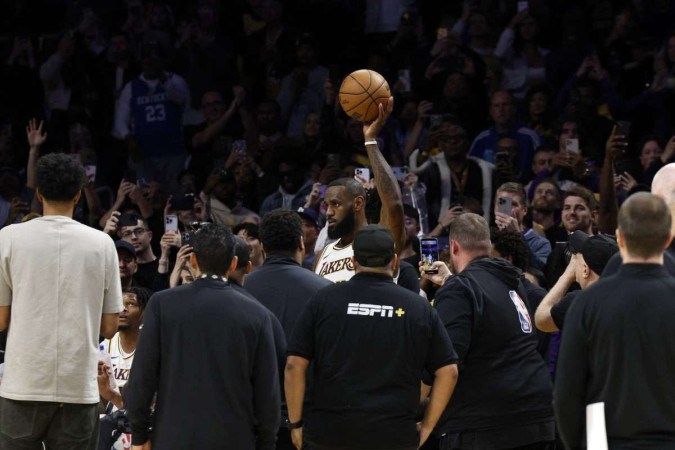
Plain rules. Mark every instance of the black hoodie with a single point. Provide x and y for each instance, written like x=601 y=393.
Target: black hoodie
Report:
x=503 y=381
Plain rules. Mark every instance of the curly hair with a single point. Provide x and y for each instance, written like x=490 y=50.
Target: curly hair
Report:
x=213 y=245
x=511 y=244
x=142 y=295
x=280 y=231
x=59 y=177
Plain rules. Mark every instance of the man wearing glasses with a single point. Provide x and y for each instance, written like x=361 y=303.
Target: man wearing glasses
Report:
x=140 y=236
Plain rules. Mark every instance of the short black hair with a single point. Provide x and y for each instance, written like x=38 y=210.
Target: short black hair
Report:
x=353 y=187
x=412 y=212
x=142 y=295
x=511 y=243
x=242 y=252
x=251 y=229
x=213 y=246
x=59 y=177
x=280 y=231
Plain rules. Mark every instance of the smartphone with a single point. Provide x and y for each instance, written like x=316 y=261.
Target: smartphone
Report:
x=90 y=173
x=400 y=172
x=128 y=220
x=404 y=78
x=522 y=6
x=623 y=128
x=504 y=205
x=322 y=191
x=362 y=172
x=441 y=33
x=572 y=145
x=170 y=222
x=143 y=182
x=429 y=254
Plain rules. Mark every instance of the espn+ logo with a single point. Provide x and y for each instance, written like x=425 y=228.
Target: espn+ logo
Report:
x=364 y=309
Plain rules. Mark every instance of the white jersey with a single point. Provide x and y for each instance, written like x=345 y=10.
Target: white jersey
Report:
x=121 y=361
x=335 y=262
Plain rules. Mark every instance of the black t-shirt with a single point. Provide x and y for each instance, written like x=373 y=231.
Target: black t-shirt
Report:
x=145 y=276
x=408 y=277
x=370 y=341
x=559 y=310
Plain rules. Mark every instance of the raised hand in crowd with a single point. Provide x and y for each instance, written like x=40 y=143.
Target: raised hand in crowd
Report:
x=36 y=137
x=668 y=151
x=314 y=197
x=442 y=272
x=137 y=198
x=446 y=218
x=624 y=181
x=182 y=263
x=111 y=224
x=169 y=239
x=506 y=222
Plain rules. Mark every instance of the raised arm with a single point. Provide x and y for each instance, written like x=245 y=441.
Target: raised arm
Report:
x=209 y=133
x=391 y=214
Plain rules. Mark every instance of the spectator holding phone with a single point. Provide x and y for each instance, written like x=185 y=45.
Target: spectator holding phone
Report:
x=510 y=212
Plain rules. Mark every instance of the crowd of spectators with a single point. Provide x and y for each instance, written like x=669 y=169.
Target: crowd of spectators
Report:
x=224 y=111
x=236 y=103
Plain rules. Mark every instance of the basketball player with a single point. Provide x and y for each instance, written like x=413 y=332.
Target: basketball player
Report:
x=346 y=202
x=122 y=346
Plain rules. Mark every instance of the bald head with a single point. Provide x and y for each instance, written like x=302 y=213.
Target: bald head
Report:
x=663 y=185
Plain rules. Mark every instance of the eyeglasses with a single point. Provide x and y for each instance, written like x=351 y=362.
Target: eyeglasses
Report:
x=138 y=232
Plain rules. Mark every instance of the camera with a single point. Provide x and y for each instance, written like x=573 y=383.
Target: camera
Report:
x=566 y=251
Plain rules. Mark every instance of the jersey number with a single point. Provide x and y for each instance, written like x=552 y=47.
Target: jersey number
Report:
x=155 y=113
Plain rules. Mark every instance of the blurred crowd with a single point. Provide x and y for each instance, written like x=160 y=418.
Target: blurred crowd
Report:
x=222 y=112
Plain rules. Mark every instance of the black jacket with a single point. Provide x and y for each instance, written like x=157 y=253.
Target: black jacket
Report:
x=283 y=286
x=503 y=380
x=208 y=352
x=618 y=348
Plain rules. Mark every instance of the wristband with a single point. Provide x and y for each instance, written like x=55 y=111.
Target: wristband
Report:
x=373 y=142
x=294 y=425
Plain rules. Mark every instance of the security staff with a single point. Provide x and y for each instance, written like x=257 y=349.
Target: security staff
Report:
x=503 y=397
x=370 y=341
x=619 y=340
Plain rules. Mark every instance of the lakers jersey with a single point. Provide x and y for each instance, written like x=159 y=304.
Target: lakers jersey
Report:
x=335 y=262
x=121 y=361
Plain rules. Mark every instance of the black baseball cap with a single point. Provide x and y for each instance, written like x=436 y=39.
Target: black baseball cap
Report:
x=373 y=246
x=309 y=214
x=596 y=250
x=121 y=244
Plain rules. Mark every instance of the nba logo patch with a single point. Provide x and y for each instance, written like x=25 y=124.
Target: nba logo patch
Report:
x=523 y=315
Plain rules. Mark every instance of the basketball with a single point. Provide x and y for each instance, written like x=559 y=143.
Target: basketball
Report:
x=361 y=92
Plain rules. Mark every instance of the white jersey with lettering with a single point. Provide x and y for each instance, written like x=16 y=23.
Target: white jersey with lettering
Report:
x=335 y=262
x=121 y=361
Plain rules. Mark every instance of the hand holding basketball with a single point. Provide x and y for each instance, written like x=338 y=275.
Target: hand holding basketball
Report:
x=361 y=92
x=372 y=130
